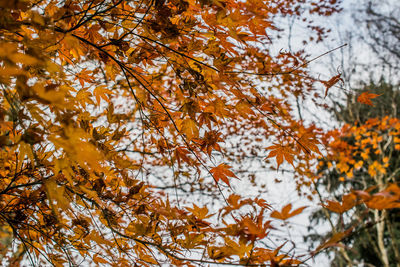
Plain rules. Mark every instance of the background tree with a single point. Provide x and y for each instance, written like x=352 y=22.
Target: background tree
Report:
x=383 y=31
x=363 y=154
x=106 y=105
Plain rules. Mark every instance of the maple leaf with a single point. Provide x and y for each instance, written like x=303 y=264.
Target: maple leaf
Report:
x=100 y=92
x=386 y=199
x=366 y=97
x=189 y=128
x=331 y=82
x=307 y=143
x=84 y=76
x=254 y=230
x=334 y=240
x=200 y=213
x=222 y=172
x=280 y=153
x=210 y=142
x=107 y=105
x=181 y=153
x=286 y=212
x=348 y=202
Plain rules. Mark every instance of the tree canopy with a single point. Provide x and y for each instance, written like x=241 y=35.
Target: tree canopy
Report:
x=111 y=110
x=358 y=177
x=360 y=173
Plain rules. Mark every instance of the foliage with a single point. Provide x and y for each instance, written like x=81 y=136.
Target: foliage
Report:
x=355 y=112
x=362 y=170
x=357 y=181
x=105 y=104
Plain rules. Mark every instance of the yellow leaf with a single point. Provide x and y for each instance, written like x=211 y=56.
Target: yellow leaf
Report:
x=55 y=96
x=22 y=58
x=190 y=129
x=37 y=18
x=25 y=150
x=244 y=109
x=100 y=92
x=56 y=193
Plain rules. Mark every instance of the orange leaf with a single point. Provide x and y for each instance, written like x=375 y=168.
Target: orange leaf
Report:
x=328 y=84
x=181 y=153
x=101 y=92
x=253 y=229
x=386 y=199
x=98 y=259
x=366 y=97
x=200 y=213
x=285 y=213
x=308 y=143
x=334 y=240
x=281 y=152
x=222 y=172
x=190 y=129
x=348 y=202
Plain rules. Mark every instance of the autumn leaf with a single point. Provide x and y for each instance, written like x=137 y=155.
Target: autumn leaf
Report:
x=100 y=92
x=241 y=248
x=280 y=153
x=222 y=172
x=255 y=230
x=331 y=82
x=110 y=113
x=334 y=240
x=385 y=199
x=244 y=108
x=97 y=259
x=286 y=212
x=366 y=97
x=189 y=128
x=308 y=143
x=200 y=213
x=182 y=154
x=348 y=202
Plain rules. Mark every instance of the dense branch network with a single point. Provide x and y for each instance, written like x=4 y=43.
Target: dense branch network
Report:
x=105 y=103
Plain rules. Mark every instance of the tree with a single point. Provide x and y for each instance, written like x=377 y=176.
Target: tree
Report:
x=107 y=104
x=354 y=111
x=361 y=169
x=383 y=30
x=362 y=155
